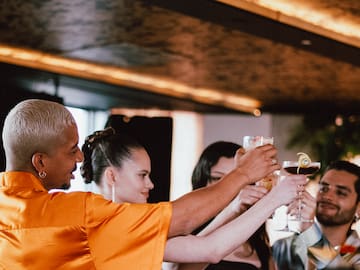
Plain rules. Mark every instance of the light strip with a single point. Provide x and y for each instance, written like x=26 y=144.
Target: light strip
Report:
x=130 y=112
x=123 y=77
x=306 y=17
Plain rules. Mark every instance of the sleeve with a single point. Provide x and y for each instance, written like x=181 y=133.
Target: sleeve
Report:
x=311 y=236
x=291 y=252
x=282 y=255
x=350 y=259
x=127 y=236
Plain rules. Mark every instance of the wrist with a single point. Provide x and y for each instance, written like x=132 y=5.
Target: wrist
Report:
x=238 y=207
x=277 y=195
x=274 y=198
x=243 y=176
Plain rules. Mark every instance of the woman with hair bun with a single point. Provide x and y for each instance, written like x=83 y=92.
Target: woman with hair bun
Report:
x=121 y=167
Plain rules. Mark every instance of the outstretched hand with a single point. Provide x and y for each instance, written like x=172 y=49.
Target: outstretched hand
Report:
x=248 y=196
x=308 y=207
x=258 y=162
x=287 y=190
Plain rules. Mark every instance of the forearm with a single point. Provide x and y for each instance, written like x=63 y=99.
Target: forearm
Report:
x=248 y=196
x=241 y=228
x=215 y=246
x=225 y=216
x=191 y=250
x=195 y=208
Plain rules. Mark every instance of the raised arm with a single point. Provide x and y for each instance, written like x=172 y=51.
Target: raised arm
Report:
x=195 y=208
x=215 y=246
x=247 y=197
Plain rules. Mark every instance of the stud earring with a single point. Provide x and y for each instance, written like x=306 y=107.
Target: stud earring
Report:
x=42 y=174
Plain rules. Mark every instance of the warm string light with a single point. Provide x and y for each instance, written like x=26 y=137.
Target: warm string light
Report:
x=130 y=112
x=123 y=77
x=325 y=20
x=307 y=17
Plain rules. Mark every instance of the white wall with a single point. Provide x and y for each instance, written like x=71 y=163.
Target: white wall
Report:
x=87 y=122
x=193 y=132
x=186 y=148
x=230 y=127
x=283 y=127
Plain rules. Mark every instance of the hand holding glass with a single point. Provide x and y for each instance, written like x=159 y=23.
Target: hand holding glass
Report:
x=250 y=142
x=293 y=167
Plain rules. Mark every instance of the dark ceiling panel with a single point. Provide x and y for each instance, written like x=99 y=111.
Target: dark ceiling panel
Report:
x=92 y=95
x=203 y=44
x=240 y=20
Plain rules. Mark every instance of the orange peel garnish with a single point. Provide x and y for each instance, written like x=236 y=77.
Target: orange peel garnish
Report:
x=304 y=161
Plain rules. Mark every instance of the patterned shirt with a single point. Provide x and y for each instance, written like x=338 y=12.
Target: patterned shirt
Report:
x=311 y=250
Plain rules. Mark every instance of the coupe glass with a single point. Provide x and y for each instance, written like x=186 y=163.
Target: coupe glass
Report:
x=292 y=167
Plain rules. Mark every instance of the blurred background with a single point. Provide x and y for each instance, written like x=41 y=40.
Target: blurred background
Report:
x=180 y=75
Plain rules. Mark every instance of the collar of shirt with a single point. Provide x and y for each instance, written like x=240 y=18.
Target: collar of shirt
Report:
x=21 y=180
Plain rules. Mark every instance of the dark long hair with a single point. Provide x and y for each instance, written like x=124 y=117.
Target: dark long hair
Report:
x=208 y=158
x=259 y=241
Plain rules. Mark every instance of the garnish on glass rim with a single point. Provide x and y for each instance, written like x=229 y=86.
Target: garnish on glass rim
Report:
x=304 y=161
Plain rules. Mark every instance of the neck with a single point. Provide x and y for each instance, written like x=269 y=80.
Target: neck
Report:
x=336 y=235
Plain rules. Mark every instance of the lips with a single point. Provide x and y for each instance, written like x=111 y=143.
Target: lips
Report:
x=72 y=175
x=327 y=206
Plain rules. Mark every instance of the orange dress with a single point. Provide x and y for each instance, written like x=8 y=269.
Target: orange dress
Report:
x=77 y=230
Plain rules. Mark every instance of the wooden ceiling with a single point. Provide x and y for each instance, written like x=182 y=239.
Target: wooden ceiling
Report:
x=202 y=44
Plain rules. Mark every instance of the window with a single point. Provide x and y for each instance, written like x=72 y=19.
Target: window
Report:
x=87 y=122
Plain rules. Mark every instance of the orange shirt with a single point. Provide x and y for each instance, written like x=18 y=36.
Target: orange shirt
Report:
x=77 y=230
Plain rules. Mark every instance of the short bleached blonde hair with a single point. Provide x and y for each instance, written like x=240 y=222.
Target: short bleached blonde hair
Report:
x=32 y=126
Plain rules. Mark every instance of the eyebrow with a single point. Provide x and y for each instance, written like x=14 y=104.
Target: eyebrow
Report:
x=74 y=146
x=337 y=186
x=217 y=172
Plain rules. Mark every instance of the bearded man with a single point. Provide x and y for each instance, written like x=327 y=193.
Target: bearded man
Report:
x=329 y=242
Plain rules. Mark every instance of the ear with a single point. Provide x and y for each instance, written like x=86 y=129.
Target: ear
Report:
x=109 y=176
x=357 y=212
x=37 y=161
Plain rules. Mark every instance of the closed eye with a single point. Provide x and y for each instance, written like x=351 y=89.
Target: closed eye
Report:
x=144 y=174
x=214 y=178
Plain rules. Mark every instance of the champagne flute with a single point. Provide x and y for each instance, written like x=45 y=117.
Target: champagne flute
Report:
x=293 y=167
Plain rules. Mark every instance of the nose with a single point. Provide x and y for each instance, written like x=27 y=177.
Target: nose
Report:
x=329 y=194
x=79 y=156
x=149 y=184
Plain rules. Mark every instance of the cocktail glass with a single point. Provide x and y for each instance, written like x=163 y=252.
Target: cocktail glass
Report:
x=250 y=142
x=292 y=167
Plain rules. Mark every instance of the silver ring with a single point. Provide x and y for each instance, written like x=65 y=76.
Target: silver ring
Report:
x=273 y=161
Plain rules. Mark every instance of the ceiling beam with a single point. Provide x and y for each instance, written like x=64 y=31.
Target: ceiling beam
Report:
x=125 y=77
x=296 y=13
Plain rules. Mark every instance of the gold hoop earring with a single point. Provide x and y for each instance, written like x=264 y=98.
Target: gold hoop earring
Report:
x=42 y=174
